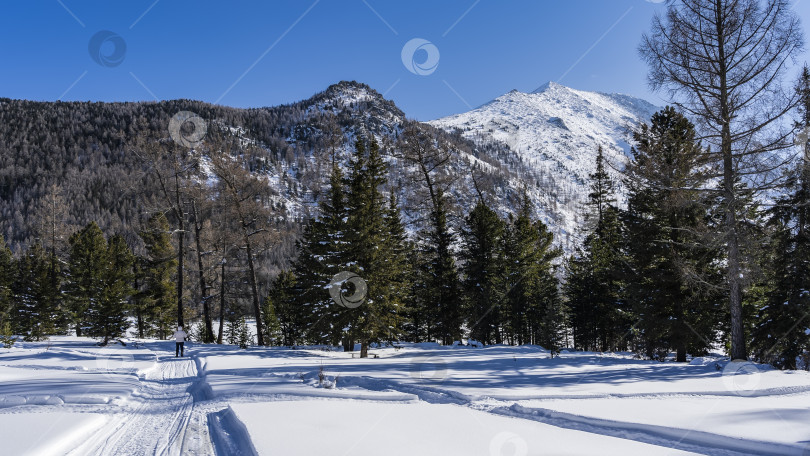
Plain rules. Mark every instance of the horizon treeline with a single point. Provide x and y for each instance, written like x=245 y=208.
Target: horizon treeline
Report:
x=648 y=277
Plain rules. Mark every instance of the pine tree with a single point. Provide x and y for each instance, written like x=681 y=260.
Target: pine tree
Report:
x=395 y=272
x=580 y=298
x=284 y=299
x=359 y=231
x=675 y=280
x=534 y=312
x=7 y=338
x=548 y=313
x=87 y=266
x=599 y=315
x=278 y=296
x=272 y=327
x=7 y=267
x=376 y=248
x=34 y=315
x=244 y=338
x=322 y=253
x=602 y=197
x=483 y=283
x=232 y=328
x=107 y=312
x=417 y=324
x=440 y=276
x=779 y=336
x=155 y=302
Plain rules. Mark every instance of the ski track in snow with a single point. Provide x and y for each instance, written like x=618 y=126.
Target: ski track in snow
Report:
x=160 y=419
x=681 y=439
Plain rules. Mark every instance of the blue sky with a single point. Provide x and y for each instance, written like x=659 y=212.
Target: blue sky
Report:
x=264 y=53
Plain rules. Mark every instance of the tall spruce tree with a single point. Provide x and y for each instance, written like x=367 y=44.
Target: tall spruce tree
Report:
x=376 y=248
x=87 y=266
x=534 y=312
x=322 y=253
x=359 y=231
x=484 y=283
x=442 y=287
x=675 y=279
x=547 y=314
x=107 y=313
x=397 y=271
x=780 y=334
x=7 y=268
x=599 y=315
x=155 y=301
x=33 y=314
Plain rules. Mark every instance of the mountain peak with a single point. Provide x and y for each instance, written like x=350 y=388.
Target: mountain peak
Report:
x=550 y=85
x=552 y=136
x=351 y=89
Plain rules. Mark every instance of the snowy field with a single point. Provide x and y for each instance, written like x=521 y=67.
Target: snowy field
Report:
x=68 y=396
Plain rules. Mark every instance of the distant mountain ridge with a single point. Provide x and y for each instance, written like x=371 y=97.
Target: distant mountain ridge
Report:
x=543 y=141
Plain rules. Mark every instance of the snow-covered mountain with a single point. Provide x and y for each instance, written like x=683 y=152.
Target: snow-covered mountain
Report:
x=555 y=132
x=544 y=142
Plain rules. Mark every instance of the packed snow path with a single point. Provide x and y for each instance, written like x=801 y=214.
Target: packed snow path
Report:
x=160 y=419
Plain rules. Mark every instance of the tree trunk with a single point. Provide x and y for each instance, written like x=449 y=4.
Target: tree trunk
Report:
x=680 y=356
x=178 y=210
x=209 y=331
x=140 y=323
x=738 y=350
x=221 y=305
x=180 y=277
x=348 y=344
x=255 y=292
x=364 y=349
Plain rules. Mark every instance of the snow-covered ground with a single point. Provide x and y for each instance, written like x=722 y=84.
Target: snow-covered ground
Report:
x=68 y=396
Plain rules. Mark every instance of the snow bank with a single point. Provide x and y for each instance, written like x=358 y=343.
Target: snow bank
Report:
x=368 y=428
x=47 y=433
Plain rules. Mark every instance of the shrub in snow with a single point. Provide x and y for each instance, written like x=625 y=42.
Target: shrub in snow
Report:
x=237 y=332
x=197 y=332
x=6 y=337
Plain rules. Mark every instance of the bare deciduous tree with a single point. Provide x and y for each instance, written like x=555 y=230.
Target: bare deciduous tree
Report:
x=171 y=166
x=245 y=198
x=723 y=63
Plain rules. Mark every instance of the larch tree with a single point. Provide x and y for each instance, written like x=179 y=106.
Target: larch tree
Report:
x=172 y=165
x=440 y=297
x=722 y=63
x=245 y=197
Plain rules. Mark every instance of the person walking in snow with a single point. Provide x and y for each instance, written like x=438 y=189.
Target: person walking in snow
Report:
x=179 y=337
